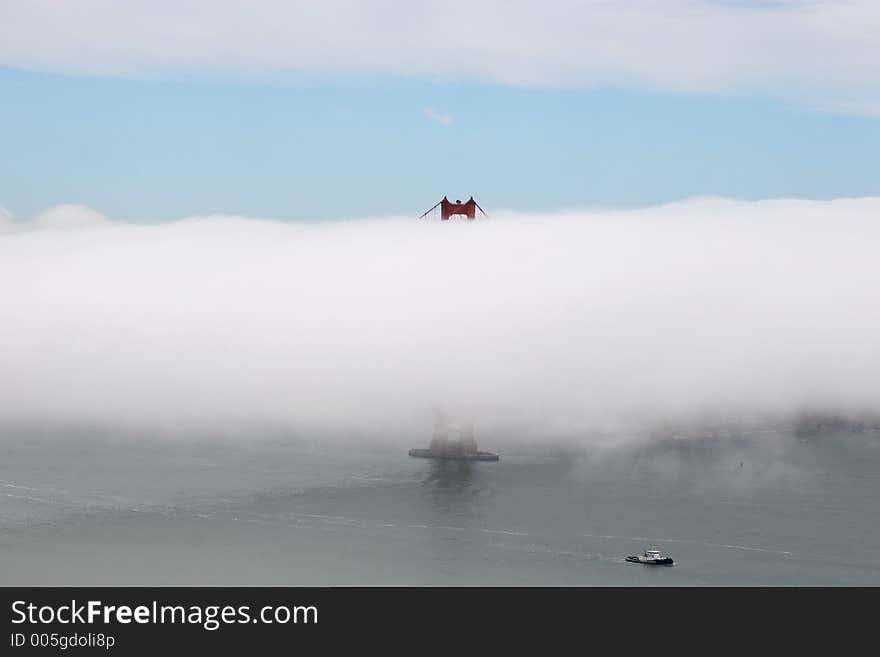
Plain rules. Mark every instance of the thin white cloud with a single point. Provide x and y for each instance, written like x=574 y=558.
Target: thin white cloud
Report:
x=863 y=108
x=66 y=217
x=438 y=117
x=557 y=324
x=818 y=53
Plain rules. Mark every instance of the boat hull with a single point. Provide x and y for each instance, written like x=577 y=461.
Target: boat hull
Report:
x=666 y=561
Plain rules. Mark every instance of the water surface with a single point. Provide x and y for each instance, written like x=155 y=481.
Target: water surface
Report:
x=765 y=509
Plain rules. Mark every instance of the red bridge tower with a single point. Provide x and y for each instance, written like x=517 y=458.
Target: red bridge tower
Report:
x=448 y=208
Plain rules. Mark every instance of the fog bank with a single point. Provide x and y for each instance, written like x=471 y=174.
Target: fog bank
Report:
x=565 y=325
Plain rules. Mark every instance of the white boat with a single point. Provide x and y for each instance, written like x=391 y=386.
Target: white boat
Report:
x=651 y=558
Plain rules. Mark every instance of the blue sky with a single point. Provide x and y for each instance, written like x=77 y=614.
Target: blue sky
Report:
x=336 y=139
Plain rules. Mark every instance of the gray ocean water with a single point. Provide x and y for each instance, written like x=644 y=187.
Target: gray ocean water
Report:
x=765 y=509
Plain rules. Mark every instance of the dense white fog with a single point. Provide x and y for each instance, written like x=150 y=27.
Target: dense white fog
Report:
x=559 y=325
